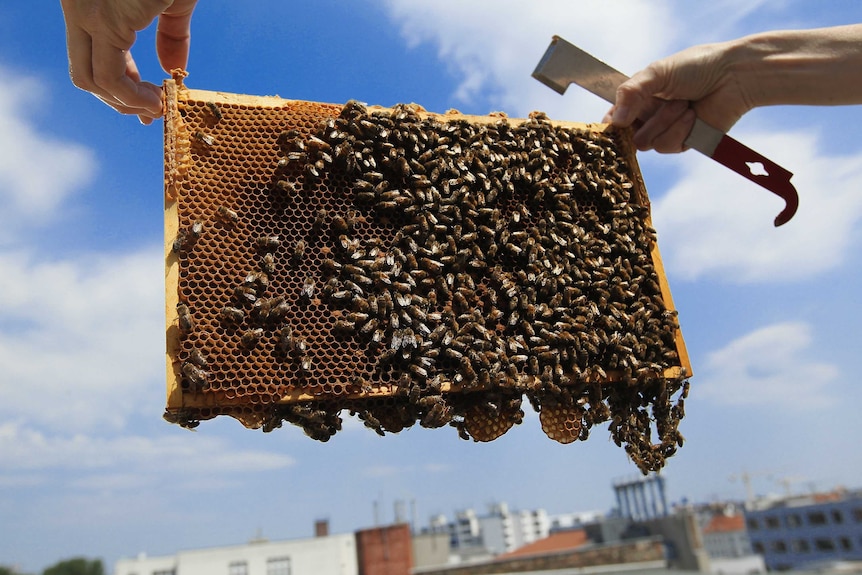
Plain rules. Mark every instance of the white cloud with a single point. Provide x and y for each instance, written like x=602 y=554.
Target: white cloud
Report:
x=81 y=341
x=714 y=223
x=493 y=46
x=115 y=461
x=768 y=367
x=37 y=172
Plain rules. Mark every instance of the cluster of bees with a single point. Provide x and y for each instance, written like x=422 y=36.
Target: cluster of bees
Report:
x=474 y=263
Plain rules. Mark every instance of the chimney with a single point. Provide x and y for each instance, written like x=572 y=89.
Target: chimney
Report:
x=321 y=528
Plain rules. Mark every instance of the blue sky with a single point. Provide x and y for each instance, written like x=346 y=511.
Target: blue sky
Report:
x=87 y=466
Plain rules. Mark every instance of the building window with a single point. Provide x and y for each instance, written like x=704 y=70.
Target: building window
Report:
x=801 y=546
x=823 y=544
x=817 y=518
x=846 y=544
x=772 y=523
x=237 y=568
x=278 y=566
x=837 y=517
x=757 y=546
x=857 y=514
x=753 y=525
x=779 y=547
x=794 y=520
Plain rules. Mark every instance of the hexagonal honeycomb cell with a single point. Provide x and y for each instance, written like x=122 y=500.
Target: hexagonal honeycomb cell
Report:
x=410 y=267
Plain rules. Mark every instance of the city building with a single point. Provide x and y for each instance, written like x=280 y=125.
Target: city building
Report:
x=726 y=541
x=384 y=550
x=567 y=552
x=643 y=513
x=641 y=498
x=818 y=532
x=323 y=555
x=430 y=550
x=567 y=521
x=807 y=531
x=503 y=530
x=474 y=537
x=642 y=535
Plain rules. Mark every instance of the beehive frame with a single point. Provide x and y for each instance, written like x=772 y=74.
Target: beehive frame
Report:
x=303 y=242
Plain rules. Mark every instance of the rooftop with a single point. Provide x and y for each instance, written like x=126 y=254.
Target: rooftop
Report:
x=725 y=524
x=559 y=541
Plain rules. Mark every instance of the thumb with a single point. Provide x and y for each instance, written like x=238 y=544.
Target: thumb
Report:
x=635 y=98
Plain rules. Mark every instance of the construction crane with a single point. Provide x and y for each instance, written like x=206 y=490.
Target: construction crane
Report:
x=788 y=482
x=745 y=477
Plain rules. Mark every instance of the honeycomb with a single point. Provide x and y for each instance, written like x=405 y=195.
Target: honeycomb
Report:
x=410 y=267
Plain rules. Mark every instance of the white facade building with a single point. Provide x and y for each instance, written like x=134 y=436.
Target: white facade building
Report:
x=565 y=521
x=500 y=531
x=504 y=531
x=330 y=555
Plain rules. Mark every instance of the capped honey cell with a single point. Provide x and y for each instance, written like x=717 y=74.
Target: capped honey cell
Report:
x=412 y=268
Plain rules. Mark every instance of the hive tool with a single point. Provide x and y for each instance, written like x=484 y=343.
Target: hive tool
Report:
x=564 y=64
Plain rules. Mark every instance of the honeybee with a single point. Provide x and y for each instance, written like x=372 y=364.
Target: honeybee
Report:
x=215 y=110
x=320 y=220
x=299 y=251
x=197 y=357
x=353 y=108
x=245 y=293
x=299 y=346
x=372 y=423
x=185 y=238
x=279 y=311
x=204 y=139
x=338 y=225
x=307 y=290
x=259 y=279
x=232 y=314
x=227 y=215
x=342 y=295
x=305 y=364
x=185 y=318
x=316 y=143
x=181 y=418
x=420 y=372
x=196 y=377
x=268 y=242
x=250 y=337
x=267 y=264
x=286 y=340
x=438 y=413
x=286 y=187
x=344 y=327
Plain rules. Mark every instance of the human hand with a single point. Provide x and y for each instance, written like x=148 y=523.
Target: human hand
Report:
x=99 y=35
x=663 y=100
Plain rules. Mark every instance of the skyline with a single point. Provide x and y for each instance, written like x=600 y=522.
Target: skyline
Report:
x=770 y=316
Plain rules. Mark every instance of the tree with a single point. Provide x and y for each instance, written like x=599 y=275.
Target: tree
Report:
x=5 y=570
x=76 y=566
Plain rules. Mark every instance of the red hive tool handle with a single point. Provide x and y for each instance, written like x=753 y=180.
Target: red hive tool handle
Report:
x=760 y=170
